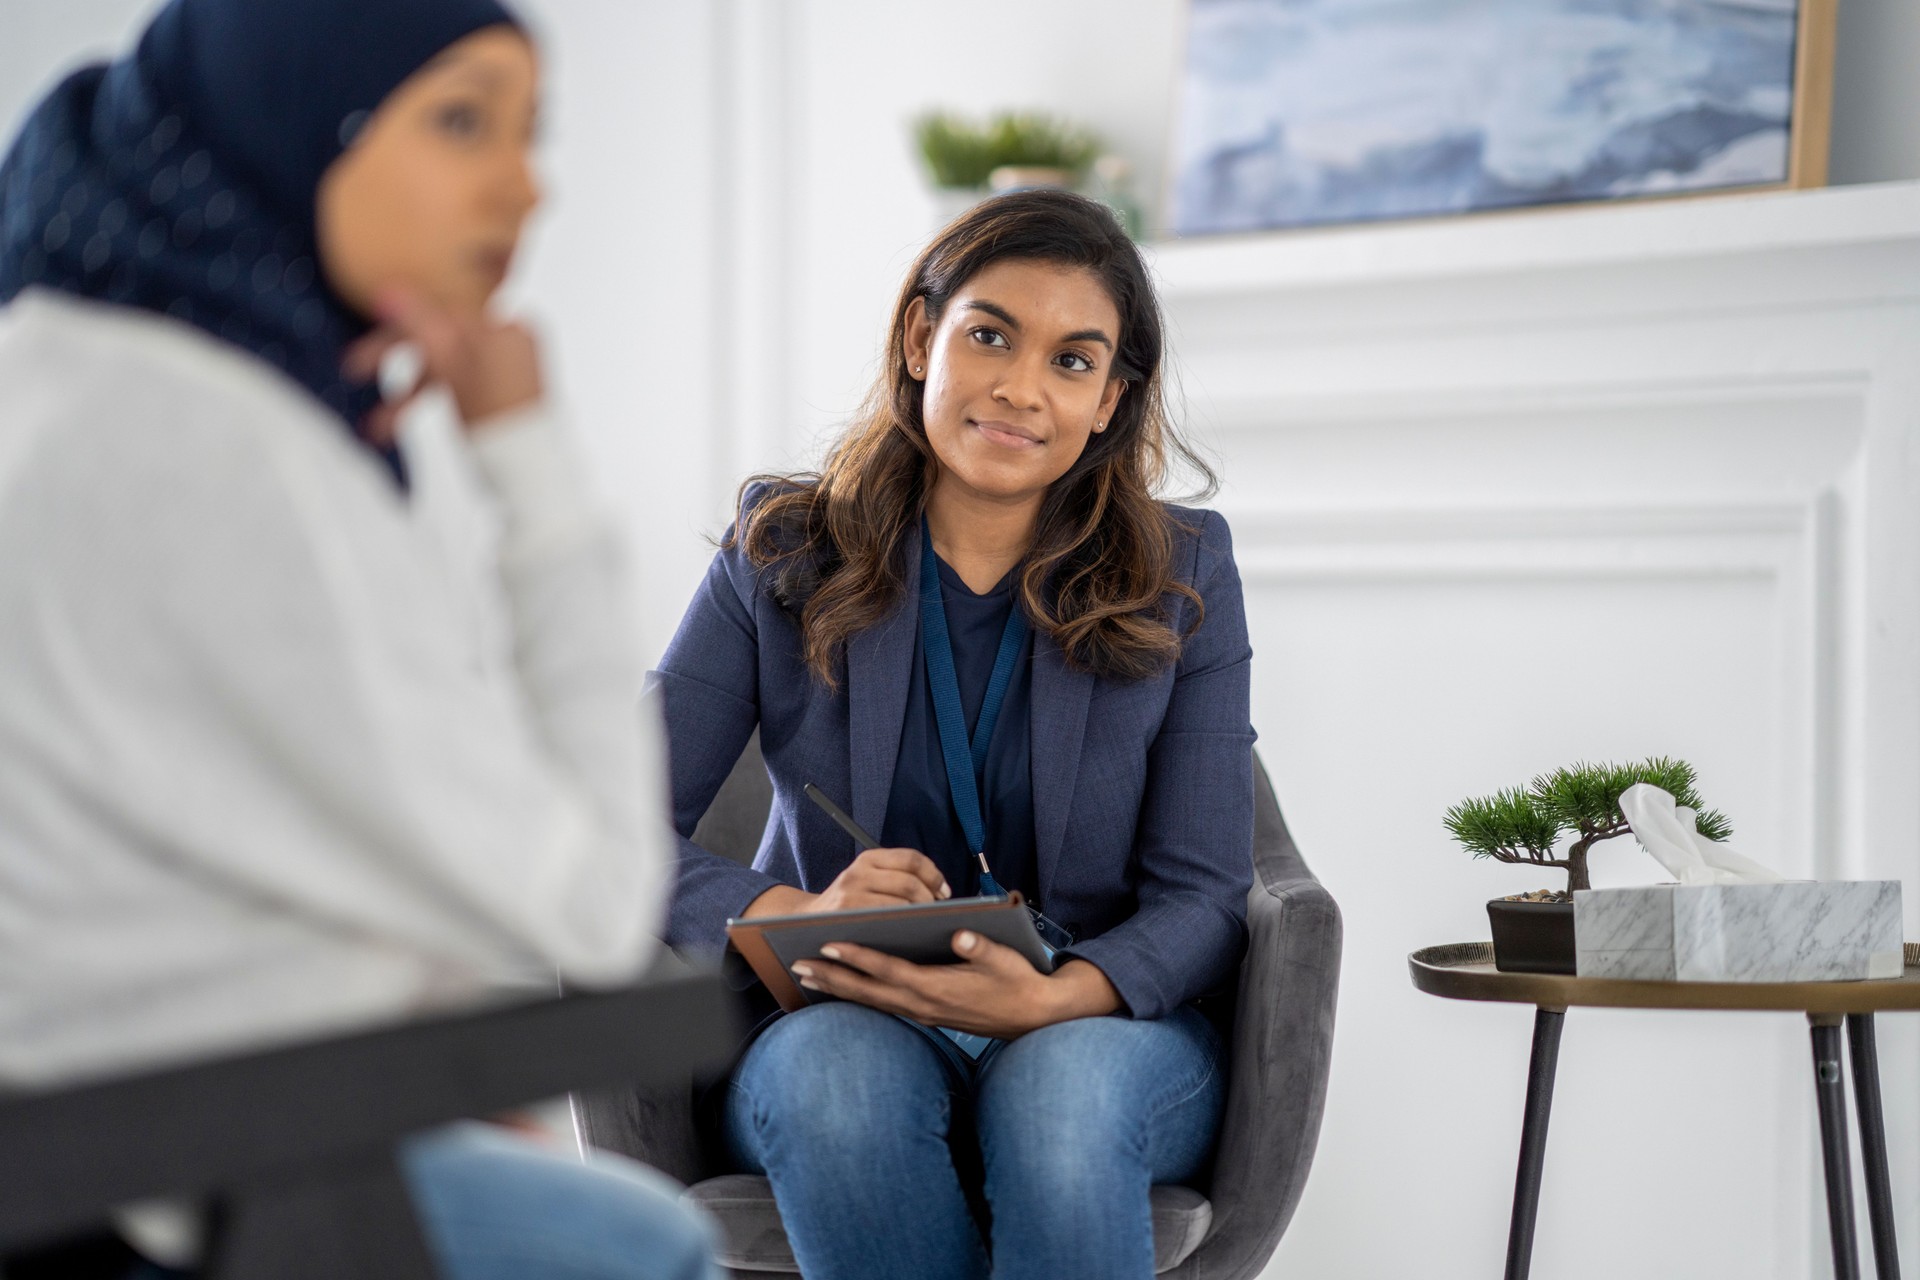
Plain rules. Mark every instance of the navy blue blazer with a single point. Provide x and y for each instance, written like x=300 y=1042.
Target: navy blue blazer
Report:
x=1142 y=790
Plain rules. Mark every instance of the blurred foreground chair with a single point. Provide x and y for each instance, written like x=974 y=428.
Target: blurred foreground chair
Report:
x=291 y=1150
x=1282 y=1048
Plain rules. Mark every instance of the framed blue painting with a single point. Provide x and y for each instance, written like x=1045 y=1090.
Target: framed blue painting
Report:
x=1300 y=113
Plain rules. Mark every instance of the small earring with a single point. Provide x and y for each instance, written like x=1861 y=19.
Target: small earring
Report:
x=1099 y=426
x=916 y=368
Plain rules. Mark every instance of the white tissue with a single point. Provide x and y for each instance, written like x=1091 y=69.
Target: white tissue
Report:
x=1666 y=830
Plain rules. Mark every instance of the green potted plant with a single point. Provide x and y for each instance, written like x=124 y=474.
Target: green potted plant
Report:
x=965 y=159
x=1533 y=932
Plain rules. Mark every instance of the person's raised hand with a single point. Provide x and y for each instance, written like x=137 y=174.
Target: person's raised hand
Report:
x=877 y=878
x=490 y=366
x=883 y=878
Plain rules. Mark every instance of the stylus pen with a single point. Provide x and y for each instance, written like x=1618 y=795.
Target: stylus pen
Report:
x=839 y=815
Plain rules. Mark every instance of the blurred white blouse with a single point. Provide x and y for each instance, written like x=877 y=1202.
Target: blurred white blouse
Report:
x=261 y=776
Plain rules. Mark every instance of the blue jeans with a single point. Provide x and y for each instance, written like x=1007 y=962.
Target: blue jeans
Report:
x=880 y=1139
x=495 y=1206
x=499 y=1207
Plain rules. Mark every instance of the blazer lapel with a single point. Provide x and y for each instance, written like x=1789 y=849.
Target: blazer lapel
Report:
x=879 y=676
x=1059 y=727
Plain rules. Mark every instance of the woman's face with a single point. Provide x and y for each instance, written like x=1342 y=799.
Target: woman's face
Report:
x=433 y=192
x=1018 y=373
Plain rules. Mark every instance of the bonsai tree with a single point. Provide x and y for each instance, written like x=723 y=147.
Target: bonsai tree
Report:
x=1526 y=824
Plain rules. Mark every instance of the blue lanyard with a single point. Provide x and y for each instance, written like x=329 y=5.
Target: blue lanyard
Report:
x=965 y=760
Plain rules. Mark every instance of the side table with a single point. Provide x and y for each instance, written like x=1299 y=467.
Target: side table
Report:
x=1465 y=971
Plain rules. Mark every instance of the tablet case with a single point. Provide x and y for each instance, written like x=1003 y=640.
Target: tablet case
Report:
x=922 y=933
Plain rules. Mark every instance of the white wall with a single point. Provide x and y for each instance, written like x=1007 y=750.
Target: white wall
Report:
x=46 y=37
x=620 y=275
x=1512 y=492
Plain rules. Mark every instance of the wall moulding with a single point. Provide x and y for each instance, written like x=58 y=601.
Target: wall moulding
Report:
x=1883 y=215
x=1622 y=542
x=1597 y=482
x=1777 y=253
x=1825 y=401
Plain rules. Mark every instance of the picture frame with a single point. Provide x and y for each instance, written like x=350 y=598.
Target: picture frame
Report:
x=1312 y=113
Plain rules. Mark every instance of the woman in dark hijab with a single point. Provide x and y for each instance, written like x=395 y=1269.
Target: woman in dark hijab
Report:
x=260 y=779
x=184 y=178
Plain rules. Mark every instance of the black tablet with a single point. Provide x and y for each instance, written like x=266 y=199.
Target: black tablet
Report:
x=922 y=933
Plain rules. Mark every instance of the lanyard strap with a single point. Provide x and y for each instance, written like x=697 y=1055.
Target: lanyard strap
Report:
x=965 y=760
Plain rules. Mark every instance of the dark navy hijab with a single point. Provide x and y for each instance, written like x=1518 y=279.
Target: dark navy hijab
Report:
x=181 y=178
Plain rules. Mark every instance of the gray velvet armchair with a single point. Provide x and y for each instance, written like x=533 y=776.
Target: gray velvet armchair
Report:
x=1225 y=1229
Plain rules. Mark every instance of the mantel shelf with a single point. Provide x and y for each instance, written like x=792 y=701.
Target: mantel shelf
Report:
x=1530 y=240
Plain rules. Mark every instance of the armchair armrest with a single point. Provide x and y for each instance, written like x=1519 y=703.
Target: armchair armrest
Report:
x=1281 y=1055
x=1282 y=1051
x=68 y=1156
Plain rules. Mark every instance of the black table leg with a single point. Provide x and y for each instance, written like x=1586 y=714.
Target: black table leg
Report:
x=1533 y=1140
x=1830 y=1093
x=1873 y=1143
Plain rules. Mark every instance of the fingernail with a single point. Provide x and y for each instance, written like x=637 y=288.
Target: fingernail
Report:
x=831 y=953
x=945 y=890
x=810 y=984
x=964 y=941
x=802 y=972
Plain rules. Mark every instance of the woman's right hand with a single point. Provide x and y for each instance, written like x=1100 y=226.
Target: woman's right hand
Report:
x=490 y=366
x=877 y=878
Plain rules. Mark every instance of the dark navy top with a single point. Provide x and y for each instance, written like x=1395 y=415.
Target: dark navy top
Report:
x=920 y=811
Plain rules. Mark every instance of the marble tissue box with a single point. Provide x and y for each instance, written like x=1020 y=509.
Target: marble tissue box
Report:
x=1794 y=931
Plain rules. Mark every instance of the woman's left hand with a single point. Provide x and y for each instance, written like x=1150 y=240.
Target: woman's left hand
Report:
x=993 y=991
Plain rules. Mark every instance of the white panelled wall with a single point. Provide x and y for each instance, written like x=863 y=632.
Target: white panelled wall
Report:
x=1516 y=491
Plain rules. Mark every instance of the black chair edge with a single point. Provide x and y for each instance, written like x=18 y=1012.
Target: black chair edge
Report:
x=305 y=1133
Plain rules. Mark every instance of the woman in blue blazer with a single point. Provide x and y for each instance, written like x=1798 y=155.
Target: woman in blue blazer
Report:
x=978 y=629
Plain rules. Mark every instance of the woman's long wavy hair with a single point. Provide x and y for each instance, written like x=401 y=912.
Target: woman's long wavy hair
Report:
x=1099 y=577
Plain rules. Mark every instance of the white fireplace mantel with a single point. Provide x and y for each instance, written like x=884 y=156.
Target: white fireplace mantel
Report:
x=1551 y=239
x=1515 y=490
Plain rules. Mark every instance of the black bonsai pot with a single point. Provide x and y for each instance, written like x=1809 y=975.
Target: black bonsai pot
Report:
x=1532 y=937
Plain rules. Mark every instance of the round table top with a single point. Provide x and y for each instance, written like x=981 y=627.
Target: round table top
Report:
x=1464 y=971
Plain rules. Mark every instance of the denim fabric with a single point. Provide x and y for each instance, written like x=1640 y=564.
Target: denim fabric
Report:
x=892 y=1155
x=1142 y=789
x=499 y=1207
